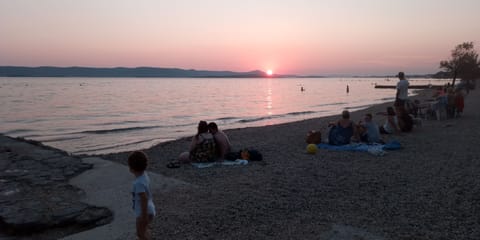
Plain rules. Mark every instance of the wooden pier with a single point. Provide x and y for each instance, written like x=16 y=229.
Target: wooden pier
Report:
x=410 y=87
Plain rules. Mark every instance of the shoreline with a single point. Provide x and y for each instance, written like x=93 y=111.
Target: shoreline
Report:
x=355 y=115
x=109 y=128
x=421 y=94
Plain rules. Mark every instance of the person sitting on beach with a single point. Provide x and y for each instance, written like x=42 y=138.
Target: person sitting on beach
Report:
x=222 y=143
x=391 y=123
x=142 y=197
x=341 y=132
x=370 y=132
x=405 y=121
x=202 y=148
x=440 y=105
x=412 y=107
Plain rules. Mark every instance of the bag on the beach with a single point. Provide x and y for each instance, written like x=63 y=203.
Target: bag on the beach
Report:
x=246 y=154
x=232 y=156
x=249 y=154
x=255 y=155
x=313 y=137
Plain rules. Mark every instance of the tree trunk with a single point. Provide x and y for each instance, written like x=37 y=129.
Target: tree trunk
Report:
x=454 y=78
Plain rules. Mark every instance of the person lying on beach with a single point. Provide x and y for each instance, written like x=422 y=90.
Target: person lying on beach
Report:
x=222 y=143
x=202 y=148
x=342 y=131
x=391 y=123
x=142 y=197
x=368 y=131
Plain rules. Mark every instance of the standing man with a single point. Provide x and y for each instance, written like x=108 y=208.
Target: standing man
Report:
x=402 y=91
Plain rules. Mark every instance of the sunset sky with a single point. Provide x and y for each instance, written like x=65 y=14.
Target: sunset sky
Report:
x=287 y=36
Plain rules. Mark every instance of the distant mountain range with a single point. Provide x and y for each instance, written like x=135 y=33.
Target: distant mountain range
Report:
x=12 y=71
x=16 y=71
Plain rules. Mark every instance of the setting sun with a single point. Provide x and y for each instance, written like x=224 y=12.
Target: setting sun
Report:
x=269 y=72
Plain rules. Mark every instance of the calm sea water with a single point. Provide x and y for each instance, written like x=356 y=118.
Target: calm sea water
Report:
x=103 y=115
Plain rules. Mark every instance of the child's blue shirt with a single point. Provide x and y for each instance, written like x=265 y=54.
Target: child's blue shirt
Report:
x=140 y=185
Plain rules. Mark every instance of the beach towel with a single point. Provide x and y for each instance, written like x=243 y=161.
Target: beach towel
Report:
x=224 y=163
x=392 y=145
x=374 y=149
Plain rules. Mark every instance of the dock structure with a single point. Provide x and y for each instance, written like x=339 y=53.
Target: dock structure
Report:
x=409 y=87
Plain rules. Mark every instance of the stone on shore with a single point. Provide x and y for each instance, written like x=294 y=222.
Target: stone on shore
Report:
x=35 y=195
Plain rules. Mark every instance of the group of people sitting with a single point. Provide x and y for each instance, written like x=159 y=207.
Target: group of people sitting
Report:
x=208 y=145
x=345 y=130
x=399 y=118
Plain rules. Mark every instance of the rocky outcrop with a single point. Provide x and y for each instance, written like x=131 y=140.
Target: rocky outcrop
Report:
x=35 y=195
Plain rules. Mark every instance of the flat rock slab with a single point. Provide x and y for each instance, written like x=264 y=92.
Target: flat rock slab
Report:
x=109 y=184
x=35 y=196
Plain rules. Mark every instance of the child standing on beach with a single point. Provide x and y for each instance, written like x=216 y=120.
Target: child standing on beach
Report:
x=141 y=195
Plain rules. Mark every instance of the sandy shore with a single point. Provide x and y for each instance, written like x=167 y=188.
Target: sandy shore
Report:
x=428 y=190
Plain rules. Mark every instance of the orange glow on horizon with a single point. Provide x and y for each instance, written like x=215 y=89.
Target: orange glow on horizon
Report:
x=269 y=72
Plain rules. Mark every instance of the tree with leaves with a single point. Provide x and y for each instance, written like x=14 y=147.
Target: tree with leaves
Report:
x=463 y=63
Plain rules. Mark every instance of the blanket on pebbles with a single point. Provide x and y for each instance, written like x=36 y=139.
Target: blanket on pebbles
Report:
x=223 y=163
x=374 y=149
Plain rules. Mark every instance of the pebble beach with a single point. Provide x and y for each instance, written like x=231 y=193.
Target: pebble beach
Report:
x=427 y=190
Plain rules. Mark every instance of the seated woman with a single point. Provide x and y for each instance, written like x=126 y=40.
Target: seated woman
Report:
x=341 y=132
x=370 y=131
x=391 y=123
x=202 y=148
